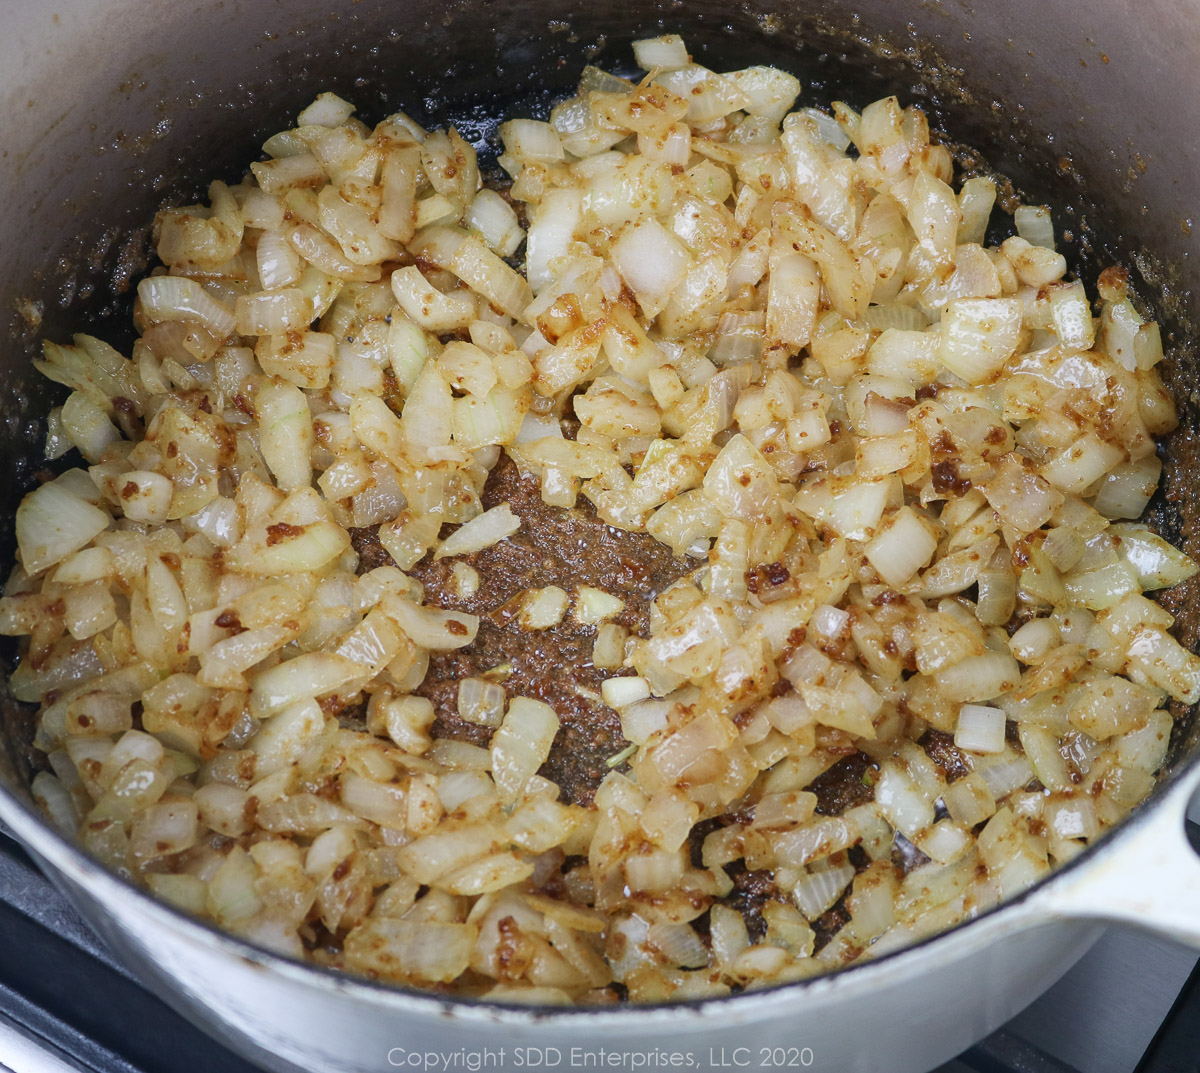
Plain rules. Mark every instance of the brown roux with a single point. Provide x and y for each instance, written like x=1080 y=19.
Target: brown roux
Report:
x=554 y=546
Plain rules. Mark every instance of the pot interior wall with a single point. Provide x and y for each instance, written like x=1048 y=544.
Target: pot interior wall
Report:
x=1067 y=102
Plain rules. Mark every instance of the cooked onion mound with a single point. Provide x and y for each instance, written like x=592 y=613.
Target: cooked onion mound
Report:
x=895 y=461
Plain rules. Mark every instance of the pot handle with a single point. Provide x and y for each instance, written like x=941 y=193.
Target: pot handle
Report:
x=1148 y=876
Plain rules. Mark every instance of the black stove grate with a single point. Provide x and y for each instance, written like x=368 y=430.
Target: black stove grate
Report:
x=62 y=989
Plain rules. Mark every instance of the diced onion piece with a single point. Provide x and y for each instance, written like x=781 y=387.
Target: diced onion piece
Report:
x=1102 y=707
x=770 y=93
x=87 y=426
x=408 y=349
x=997 y=595
x=429 y=307
x=793 y=299
x=708 y=95
x=608 y=652
x=285 y=173
x=309 y=675
x=291 y=549
x=167 y=298
x=481 y=532
x=902 y=801
x=978 y=336
x=975 y=201
x=284 y=737
x=428 y=413
x=407 y=721
x=1072 y=315
x=285 y=433
x=279 y=264
x=521 y=745
x=979 y=729
x=1035 y=640
x=163 y=829
x=480 y=702
x=661 y=53
x=1087 y=460
x=1049 y=765
x=531 y=139
x=820 y=888
x=904 y=546
x=1036 y=266
x=273 y=312
x=145 y=496
x=483 y=271
x=979 y=678
x=1158 y=565
x=1157 y=658
x=652 y=261
x=432 y=951
x=432 y=627
x=593 y=606
x=904 y=355
x=88 y=564
x=1128 y=488
x=624 y=690
x=543 y=608
x=641 y=720
x=353 y=228
x=1035 y=225
x=944 y=842
x=495 y=221
x=304 y=358
x=740 y=482
x=830 y=621
x=968 y=800
x=1024 y=500
x=328 y=110
x=551 y=230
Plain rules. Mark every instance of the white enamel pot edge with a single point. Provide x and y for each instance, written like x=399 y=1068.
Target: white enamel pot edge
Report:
x=901 y=1014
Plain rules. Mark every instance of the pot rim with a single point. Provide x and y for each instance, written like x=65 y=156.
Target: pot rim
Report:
x=1019 y=913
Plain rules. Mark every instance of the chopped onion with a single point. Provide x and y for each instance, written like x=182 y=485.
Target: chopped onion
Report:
x=593 y=606
x=652 y=261
x=979 y=729
x=480 y=702
x=979 y=677
x=431 y=627
x=1157 y=564
x=623 y=691
x=1034 y=225
x=286 y=433
x=521 y=745
x=495 y=221
x=1085 y=461
x=869 y=440
x=328 y=110
x=661 y=53
x=902 y=548
x=481 y=532
x=551 y=231
x=168 y=298
x=52 y=523
x=1128 y=488
x=978 y=336
x=543 y=608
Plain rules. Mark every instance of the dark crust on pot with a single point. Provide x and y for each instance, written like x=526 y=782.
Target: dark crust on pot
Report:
x=943 y=752
x=554 y=546
x=844 y=785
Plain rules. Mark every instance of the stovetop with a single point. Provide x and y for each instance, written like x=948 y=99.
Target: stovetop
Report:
x=1131 y=1005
